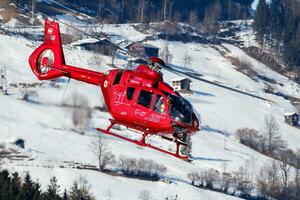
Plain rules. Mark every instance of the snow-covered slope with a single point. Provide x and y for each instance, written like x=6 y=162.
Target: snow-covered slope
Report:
x=50 y=143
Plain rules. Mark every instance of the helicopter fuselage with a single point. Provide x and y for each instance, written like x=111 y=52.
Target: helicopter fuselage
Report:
x=139 y=98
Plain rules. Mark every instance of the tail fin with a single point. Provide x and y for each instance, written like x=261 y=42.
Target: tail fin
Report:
x=48 y=59
x=48 y=62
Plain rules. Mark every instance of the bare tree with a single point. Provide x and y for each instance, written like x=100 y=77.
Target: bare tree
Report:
x=32 y=10
x=285 y=173
x=141 y=11
x=212 y=14
x=268 y=180
x=101 y=152
x=100 y=8
x=165 y=54
x=187 y=60
x=165 y=9
x=193 y=18
x=177 y=16
x=244 y=181
x=297 y=173
x=271 y=131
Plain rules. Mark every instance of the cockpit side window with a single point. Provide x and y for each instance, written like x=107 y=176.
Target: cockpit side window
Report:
x=180 y=109
x=159 y=104
x=145 y=98
x=130 y=93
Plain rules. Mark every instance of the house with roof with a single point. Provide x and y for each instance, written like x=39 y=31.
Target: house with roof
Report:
x=143 y=49
x=181 y=84
x=291 y=118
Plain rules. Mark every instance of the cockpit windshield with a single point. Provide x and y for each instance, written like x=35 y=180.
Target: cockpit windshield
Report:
x=180 y=109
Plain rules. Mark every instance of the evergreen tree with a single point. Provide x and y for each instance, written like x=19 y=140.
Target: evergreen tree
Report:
x=291 y=46
x=292 y=50
x=15 y=187
x=276 y=22
x=80 y=190
x=65 y=195
x=261 y=22
x=75 y=191
x=30 y=190
x=4 y=184
x=52 y=192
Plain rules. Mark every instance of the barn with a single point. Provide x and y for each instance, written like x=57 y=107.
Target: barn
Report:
x=143 y=49
x=99 y=46
x=291 y=118
x=181 y=84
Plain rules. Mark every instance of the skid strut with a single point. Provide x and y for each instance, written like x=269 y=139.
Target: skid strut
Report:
x=142 y=141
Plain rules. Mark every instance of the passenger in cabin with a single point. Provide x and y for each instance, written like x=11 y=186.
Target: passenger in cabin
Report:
x=159 y=105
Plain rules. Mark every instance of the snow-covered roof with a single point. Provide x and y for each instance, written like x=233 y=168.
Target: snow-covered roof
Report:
x=150 y=46
x=142 y=44
x=289 y=113
x=84 y=41
x=87 y=41
x=179 y=79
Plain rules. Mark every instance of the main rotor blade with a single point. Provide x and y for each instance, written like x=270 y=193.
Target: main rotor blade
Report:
x=213 y=83
x=104 y=38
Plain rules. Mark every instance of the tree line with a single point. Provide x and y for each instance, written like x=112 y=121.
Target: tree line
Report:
x=124 y=11
x=274 y=180
x=12 y=187
x=279 y=179
x=277 y=27
x=269 y=142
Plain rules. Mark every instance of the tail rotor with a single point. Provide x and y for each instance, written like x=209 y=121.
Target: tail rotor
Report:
x=45 y=61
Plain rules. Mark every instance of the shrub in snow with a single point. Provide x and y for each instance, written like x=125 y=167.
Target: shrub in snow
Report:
x=209 y=177
x=251 y=138
x=140 y=167
x=194 y=177
x=27 y=94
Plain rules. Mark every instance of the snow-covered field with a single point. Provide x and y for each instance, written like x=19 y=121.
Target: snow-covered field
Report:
x=46 y=126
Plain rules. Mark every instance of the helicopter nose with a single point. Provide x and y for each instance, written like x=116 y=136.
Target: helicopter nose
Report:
x=196 y=125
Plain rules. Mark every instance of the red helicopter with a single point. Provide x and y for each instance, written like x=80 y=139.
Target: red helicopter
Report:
x=138 y=99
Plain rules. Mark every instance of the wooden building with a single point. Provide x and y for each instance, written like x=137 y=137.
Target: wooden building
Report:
x=98 y=46
x=292 y=118
x=181 y=85
x=143 y=49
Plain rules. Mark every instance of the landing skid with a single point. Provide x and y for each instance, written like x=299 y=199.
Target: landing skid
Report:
x=142 y=141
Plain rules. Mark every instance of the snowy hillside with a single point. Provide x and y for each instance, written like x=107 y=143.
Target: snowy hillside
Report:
x=50 y=143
